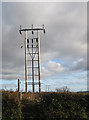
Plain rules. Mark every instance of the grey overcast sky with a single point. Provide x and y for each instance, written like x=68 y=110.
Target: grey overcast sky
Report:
x=63 y=47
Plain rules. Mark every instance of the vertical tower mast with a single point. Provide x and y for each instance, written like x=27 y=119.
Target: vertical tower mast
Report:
x=26 y=82
x=32 y=48
x=32 y=67
x=39 y=61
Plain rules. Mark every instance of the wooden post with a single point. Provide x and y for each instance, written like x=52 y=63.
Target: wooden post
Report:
x=19 y=93
x=39 y=62
x=26 y=89
x=18 y=85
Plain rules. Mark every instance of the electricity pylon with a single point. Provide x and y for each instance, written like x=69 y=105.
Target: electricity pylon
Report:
x=32 y=49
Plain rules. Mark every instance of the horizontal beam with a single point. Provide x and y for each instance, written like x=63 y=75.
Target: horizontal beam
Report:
x=31 y=83
x=31 y=53
x=32 y=47
x=33 y=60
x=32 y=75
x=35 y=83
x=35 y=29
x=31 y=67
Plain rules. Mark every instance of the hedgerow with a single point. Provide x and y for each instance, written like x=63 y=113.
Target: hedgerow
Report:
x=45 y=106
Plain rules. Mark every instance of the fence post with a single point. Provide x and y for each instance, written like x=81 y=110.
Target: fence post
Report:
x=19 y=92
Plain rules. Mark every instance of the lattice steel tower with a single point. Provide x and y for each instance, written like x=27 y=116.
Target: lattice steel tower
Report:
x=32 y=57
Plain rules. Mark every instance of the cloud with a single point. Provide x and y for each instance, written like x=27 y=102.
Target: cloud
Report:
x=52 y=69
x=80 y=64
x=65 y=36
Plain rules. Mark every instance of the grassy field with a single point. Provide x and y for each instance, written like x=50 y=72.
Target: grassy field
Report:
x=45 y=106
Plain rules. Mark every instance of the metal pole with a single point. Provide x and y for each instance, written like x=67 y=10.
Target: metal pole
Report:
x=39 y=61
x=26 y=89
